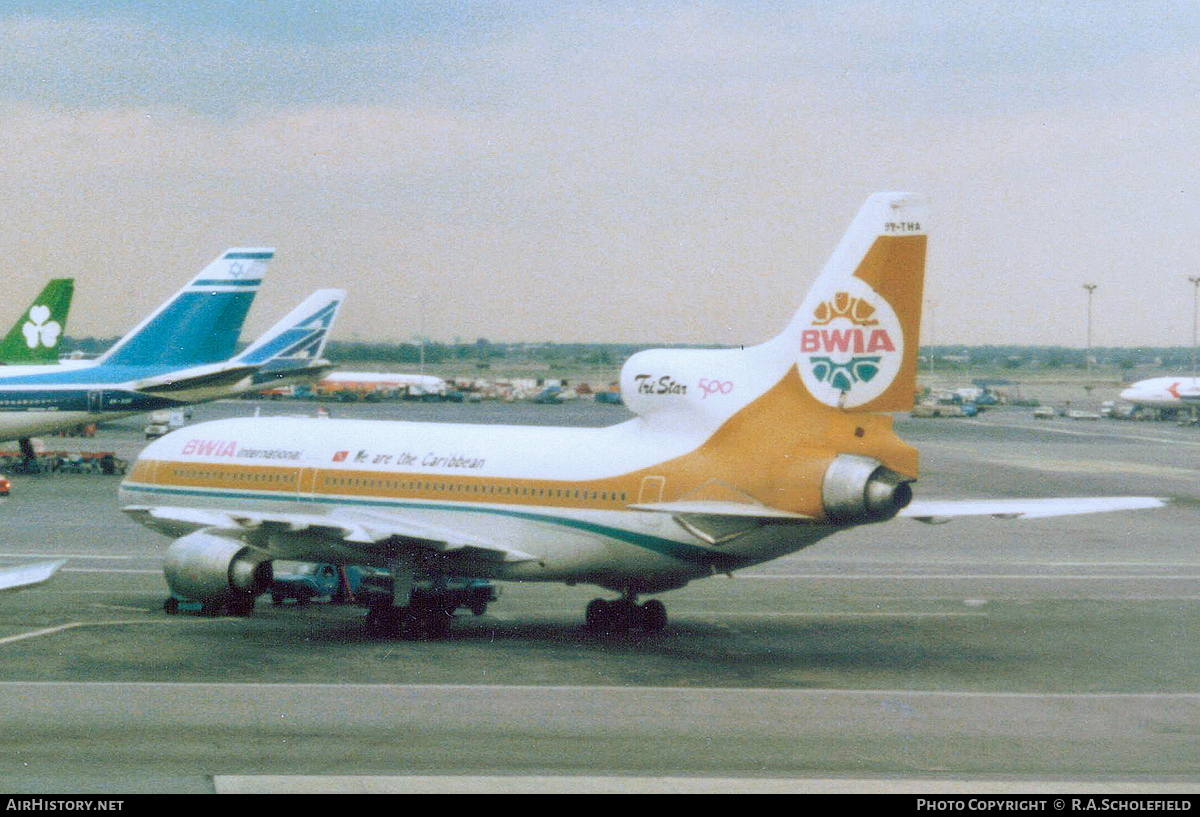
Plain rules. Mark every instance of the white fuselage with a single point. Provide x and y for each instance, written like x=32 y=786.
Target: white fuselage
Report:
x=559 y=495
x=1164 y=392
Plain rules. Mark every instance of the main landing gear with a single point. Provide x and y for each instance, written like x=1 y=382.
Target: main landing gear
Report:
x=425 y=617
x=625 y=614
x=430 y=607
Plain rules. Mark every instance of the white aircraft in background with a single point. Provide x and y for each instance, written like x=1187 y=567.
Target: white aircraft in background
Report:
x=1164 y=393
x=415 y=385
x=734 y=457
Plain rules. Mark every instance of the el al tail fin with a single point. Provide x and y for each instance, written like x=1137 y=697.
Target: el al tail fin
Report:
x=201 y=322
x=35 y=337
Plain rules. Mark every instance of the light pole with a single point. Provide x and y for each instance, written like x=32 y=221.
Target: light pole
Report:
x=421 y=337
x=1195 y=300
x=1091 y=288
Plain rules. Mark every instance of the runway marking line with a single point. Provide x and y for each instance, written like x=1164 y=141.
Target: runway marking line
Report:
x=108 y=570
x=60 y=556
x=74 y=624
x=1075 y=433
x=619 y=690
x=720 y=614
x=971 y=576
x=36 y=633
x=626 y=784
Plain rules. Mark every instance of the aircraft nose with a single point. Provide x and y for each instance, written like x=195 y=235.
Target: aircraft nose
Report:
x=1128 y=394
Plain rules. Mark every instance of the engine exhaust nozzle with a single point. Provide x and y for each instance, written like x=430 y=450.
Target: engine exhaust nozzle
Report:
x=860 y=489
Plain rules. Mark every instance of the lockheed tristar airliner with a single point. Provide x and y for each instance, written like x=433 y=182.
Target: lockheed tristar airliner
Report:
x=734 y=457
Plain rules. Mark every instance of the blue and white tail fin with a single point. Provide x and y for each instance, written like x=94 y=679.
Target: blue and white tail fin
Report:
x=301 y=335
x=201 y=322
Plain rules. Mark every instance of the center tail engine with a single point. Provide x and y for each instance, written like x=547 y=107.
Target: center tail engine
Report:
x=860 y=489
x=218 y=571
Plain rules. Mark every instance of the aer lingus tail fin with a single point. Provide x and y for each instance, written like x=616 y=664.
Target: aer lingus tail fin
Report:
x=35 y=337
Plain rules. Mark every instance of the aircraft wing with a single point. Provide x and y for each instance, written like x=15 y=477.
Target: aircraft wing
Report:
x=344 y=532
x=213 y=375
x=23 y=576
x=943 y=510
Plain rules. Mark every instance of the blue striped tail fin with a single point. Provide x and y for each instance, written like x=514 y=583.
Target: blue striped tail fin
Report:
x=301 y=334
x=201 y=322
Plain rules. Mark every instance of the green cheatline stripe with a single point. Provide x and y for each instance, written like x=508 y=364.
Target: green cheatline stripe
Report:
x=248 y=256
x=664 y=547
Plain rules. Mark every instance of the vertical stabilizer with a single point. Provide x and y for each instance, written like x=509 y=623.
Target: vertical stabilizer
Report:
x=850 y=348
x=36 y=335
x=857 y=334
x=201 y=322
x=301 y=335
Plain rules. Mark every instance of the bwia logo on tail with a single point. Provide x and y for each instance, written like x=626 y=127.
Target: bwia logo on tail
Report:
x=857 y=332
x=852 y=350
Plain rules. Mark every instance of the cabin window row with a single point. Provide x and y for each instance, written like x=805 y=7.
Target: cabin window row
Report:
x=477 y=489
x=235 y=476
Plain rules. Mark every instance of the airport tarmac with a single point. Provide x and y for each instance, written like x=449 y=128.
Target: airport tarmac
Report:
x=981 y=655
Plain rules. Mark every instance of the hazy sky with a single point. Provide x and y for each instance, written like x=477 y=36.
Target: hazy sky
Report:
x=609 y=171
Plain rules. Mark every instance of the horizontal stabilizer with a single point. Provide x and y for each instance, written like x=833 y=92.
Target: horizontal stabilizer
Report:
x=280 y=373
x=943 y=510
x=215 y=375
x=719 y=522
x=19 y=578
x=705 y=507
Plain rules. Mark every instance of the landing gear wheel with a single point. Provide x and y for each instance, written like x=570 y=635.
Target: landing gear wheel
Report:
x=240 y=607
x=625 y=614
x=654 y=616
x=596 y=614
x=383 y=622
x=416 y=622
x=437 y=624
